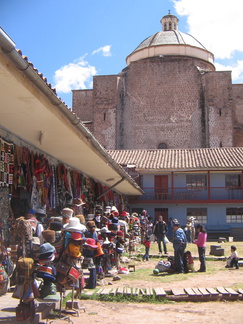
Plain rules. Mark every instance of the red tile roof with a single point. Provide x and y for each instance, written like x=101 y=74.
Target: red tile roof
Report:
x=226 y=158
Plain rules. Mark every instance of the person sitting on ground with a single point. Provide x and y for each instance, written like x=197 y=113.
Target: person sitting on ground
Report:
x=189 y=262
x=233 y=258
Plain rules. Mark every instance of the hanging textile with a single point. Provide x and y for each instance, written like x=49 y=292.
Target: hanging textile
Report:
x=6 y=163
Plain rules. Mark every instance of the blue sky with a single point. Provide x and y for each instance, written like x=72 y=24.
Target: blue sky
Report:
x=70 y=41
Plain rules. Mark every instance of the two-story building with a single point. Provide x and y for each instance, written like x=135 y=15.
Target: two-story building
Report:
x=204 y=183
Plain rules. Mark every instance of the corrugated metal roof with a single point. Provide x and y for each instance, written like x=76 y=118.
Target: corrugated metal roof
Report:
x=225 y=158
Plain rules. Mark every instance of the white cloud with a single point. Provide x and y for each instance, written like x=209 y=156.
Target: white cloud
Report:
x=236 y=69
x=217 y=24
x=73 y=76
x=104 y=50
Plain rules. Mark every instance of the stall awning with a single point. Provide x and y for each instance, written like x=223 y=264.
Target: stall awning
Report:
x=30 y=109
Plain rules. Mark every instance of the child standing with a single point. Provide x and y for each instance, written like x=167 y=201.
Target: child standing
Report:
x=233 y=258
x=147 y=245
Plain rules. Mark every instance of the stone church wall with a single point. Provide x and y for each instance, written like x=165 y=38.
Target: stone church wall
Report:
x=83 y=105
x=160 y=104
x=105 y=103
x=218 y=103
x=238 y=114
x=178 y=101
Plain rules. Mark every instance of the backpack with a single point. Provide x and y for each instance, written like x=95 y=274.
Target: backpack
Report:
x=25 y=268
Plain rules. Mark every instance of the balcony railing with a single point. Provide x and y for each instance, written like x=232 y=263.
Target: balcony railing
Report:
x=188 y=194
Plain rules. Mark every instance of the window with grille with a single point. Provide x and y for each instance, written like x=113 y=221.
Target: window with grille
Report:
x=234 y=215
x=196 y=181
x=199 y=213
x=233 y=181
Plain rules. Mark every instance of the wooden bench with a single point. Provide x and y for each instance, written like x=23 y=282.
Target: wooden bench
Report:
x=131 y=267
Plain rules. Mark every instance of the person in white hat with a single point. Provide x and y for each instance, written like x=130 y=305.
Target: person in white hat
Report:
x=193 y=221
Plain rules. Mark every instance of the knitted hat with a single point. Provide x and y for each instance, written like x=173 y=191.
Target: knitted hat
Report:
x=49 y=235
x=56 y=226
x=46 y=252
x=90 y=243
x=67 y=212
x=47 y=273
x=77 y=236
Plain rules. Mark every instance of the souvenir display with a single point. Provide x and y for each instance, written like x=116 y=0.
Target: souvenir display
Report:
x=45 y=255
x=47 y=272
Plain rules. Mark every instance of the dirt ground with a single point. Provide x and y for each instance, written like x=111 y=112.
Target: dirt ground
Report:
x=173 y=312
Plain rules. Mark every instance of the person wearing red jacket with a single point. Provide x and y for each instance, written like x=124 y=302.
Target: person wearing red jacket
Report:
x=147 y=245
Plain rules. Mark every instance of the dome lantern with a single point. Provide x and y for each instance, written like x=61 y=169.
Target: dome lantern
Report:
x=169 y=22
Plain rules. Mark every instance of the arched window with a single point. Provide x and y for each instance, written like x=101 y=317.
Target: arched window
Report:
x=162 y=146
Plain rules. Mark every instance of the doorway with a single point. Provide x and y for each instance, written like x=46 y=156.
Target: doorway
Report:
x=161 y=187
x=161 y=212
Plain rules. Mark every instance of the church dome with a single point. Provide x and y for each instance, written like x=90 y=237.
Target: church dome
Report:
x=170 y=42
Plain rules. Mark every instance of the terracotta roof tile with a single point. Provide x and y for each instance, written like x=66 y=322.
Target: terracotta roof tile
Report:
x=226 y=158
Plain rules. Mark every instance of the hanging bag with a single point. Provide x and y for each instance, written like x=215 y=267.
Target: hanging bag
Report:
x=18 y=291
x=62 y=268
x=74 y=274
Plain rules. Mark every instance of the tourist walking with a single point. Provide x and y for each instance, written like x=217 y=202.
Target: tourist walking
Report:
x=160 y=232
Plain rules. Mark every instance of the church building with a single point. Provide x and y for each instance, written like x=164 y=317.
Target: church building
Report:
x=168 y=96
x=176 y=125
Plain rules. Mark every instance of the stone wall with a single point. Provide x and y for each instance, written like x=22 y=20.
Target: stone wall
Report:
x=83 y=106
x=161 y=104
x=179 y=101
x=218 y=103
x=105 y=103
x=238 y=114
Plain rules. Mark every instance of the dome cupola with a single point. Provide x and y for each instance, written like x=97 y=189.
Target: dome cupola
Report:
x=169 y=22
x=170 y=42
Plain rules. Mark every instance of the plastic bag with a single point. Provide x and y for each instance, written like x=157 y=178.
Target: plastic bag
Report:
x=163 y=266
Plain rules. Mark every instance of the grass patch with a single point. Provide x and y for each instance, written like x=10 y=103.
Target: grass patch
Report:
x=193 y=248
x=125 y=298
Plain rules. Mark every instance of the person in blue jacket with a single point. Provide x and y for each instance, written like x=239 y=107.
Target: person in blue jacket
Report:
x=179 y=245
